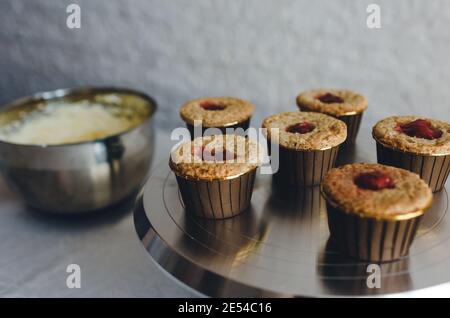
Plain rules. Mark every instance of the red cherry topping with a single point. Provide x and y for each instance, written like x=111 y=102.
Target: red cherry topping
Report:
x=329 y=98
x=301 y=128
x=374 y=181
x=419 y=128
x=197 y=151
x=210 y=105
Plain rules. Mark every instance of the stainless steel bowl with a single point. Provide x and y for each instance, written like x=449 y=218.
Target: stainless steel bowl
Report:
x=85 y=176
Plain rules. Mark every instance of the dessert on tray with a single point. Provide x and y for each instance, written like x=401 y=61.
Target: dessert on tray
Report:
x=374 y=210
x=345 y=105
x=308 y=145
x=217 y=112
x=216 y=174
x=417 y=144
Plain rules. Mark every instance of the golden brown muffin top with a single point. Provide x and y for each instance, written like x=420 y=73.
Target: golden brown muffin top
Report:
x=334 y=102
x=414 y=134
x=305 y=130
x=217 y=111
x=378 y=191
x=216 y=157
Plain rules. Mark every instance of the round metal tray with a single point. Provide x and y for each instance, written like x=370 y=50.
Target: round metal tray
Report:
x=279 y=247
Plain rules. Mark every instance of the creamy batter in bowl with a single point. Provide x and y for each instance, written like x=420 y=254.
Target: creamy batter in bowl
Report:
x=70 y=151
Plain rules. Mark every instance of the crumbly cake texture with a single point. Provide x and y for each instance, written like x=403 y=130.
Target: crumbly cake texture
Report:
x=205 y=158
x=328 y=132
x=353 y=102
x=410 y=193
x=235 y=110
x=385 y=132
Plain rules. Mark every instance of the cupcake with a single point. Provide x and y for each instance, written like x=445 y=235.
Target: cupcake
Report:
x=308 y=144
x=417 y=144
x=215 y=174
x=374 y=210
x=345 y=105
x=217 y=112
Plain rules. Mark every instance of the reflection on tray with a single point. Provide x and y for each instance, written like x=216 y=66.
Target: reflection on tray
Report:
x=300 y=215
x=342 y=275
x=229 y=241
x=435 y=214
x=305 y=203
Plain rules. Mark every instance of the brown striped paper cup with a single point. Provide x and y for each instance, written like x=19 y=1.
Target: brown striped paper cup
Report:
x=304 y=168
x=353 y=122
x=244 y=125
x=434 y=170
x=371 y=239
x=219 y=198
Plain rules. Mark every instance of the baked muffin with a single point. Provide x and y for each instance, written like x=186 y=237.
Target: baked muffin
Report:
x=307 y=144
x=374 y=210
x=217 y=112
x=215 y=174
x=417 y=144
x=345 y=105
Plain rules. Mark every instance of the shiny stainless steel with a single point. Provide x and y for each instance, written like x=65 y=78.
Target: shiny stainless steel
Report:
x=280 y=246
x=84 y=176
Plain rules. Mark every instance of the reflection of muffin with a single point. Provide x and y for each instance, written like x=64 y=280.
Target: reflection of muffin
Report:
x=298 y=213
x=345 y=105
x=416 y=144
x=308 y=145
x=374 y=210
x=344 y=276
x=217 y=112
x=231 y=241
x=215 y=174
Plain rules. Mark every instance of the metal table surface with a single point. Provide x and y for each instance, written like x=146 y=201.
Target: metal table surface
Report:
x=36 y=249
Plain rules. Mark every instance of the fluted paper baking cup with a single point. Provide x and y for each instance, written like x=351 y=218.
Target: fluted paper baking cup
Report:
x=434 y=170
x=218 y=198
x=353 y=122
x=304 y=168
x=244 y=125
x=371 y=239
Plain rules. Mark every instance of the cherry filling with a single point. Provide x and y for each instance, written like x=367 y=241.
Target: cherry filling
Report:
x=374 y=181
x=419 y=128
x=300 y=128
x=213 y=155
x=329 y=98
x=210 y=105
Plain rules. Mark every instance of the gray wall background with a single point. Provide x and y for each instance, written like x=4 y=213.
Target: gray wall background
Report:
x=263 y=50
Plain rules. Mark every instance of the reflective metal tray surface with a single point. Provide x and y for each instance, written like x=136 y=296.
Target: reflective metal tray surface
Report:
x=280 y=247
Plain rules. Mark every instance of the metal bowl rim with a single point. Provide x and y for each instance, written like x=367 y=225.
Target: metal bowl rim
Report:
x=64 y=92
